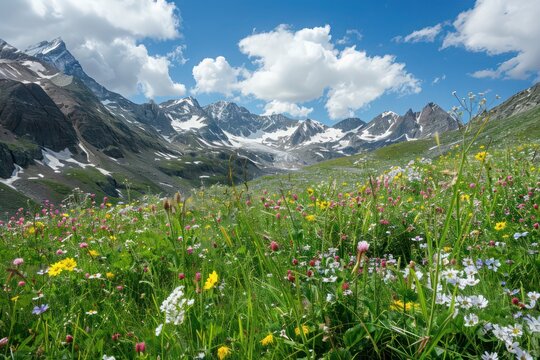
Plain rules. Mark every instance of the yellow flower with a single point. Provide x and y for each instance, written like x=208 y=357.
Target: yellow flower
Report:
x=399 y=305
x=323 y=204
x=223 y=352
x=310 y=218
x=55 y=269
x=500 y=225
x=268 y=340
x=109 y=275
x=15 y=298
x=211 y=281
x=481 y=156
x=310 y=191
x=93 y=253
x=465 y=197
x=68 y=264
x=304 y=329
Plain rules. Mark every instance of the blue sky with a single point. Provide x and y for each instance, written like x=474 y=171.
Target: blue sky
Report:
x=214 y=28
x=484 y=44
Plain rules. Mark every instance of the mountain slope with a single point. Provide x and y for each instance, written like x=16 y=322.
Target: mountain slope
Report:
x=62 y=129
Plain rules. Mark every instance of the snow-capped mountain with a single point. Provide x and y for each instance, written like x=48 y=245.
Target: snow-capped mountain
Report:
x=47 y=99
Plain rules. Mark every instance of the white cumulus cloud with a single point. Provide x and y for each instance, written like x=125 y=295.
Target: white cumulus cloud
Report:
x=427 y=34
x=215 y=75
x=104 y=36
x=501 y=27
x=280 y=107
x=293 y=67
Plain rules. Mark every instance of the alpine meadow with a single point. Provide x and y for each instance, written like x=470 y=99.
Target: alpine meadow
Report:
x=166 y=191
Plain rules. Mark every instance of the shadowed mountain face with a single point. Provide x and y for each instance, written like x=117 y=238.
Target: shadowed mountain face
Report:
x=69 y=121
x=27 y=111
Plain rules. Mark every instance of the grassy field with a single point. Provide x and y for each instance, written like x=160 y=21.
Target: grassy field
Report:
x=396 y=256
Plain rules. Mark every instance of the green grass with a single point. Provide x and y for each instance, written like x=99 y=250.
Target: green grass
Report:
x=13 y=200
x=289 y=272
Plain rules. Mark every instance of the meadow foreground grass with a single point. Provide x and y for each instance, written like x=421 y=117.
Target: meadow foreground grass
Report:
x=437 y=259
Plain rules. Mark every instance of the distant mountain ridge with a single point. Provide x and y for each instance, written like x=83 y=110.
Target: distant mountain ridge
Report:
x=108 y=131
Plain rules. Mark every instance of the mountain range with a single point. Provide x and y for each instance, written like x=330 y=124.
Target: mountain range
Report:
x=60 y=129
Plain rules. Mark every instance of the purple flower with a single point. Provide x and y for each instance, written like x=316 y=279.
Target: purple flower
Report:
x=40 y=309
x=362 y=247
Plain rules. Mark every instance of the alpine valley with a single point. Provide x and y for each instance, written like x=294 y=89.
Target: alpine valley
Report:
x=60 y=129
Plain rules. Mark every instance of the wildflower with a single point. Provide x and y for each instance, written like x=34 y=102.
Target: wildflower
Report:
x=93 y=253
x=175 y=306
x=500 y=225
x=109 y=275
x=310 y=191
x=310 y=218
x=91 y=312
x=40 y=309
x=362 y=247
x=3 y=342
x=107 y=357
x=69 y=264
x=223 y=352
x=304 y=329
x=211 y=281
x=268 y=340
x=140 y=347
x=490 y=356
x=533 y=295
x=471 y=320
x=158 y=329
x=18 y=261
x=274 y=246
x=516 y=330
x=480 y=156
x=55 y=269
x=534 y=324
x=399 y=305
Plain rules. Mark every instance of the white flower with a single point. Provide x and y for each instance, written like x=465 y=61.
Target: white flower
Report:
x=451 y=276
x=107 y=357
x=516 y=330
x=330 y=279
x=513 y=347
x=464 y=302
x=533 y=295
x=479 y=301
x=175 y=306
x=158 y=329
x=534 y=324
x=490 y=356
x=329 y=297
x=471 y=320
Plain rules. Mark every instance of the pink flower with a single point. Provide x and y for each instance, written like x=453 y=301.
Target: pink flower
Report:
x=18 y=261
x=274 y=246
x=140 y=347
x=83 y=245
x=363 y=247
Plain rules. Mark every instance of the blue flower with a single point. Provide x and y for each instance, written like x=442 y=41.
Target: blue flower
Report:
x=40 y=309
